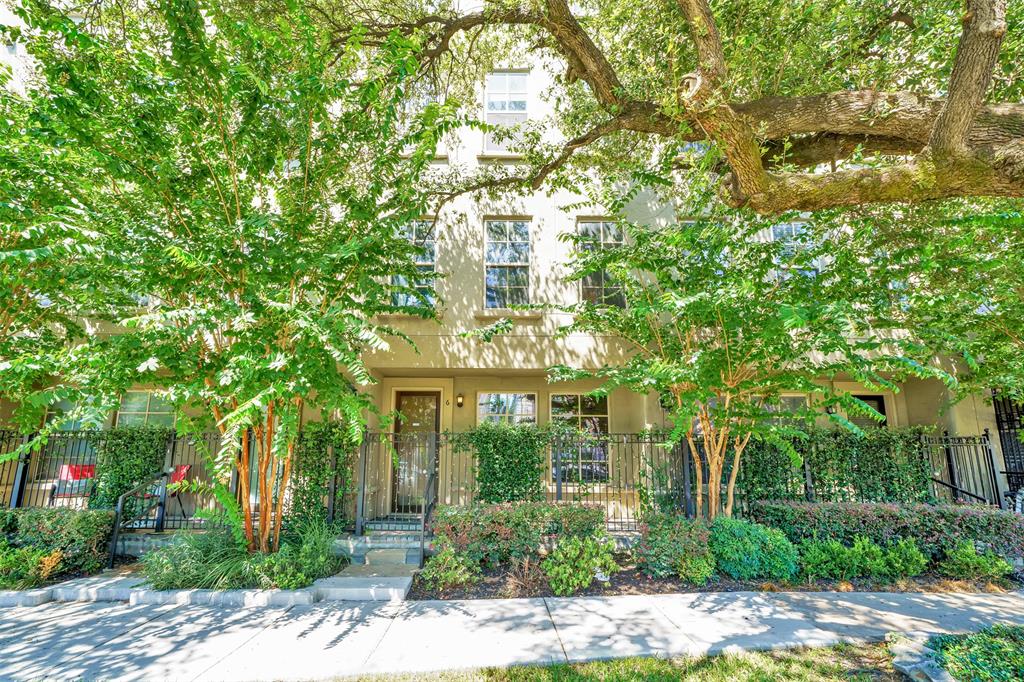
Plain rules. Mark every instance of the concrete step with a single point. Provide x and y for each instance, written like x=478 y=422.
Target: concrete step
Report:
x=363 y=588
x=399 y=556
x=351 y=545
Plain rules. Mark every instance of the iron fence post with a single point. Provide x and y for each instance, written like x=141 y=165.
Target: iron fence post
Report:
x=992 y=468
x=332 y=482
x=954 y=478
x=557 y=459
x=690 y=510
x=21 y=475
x=161 y=505
x=809 y=492
x=361 y=498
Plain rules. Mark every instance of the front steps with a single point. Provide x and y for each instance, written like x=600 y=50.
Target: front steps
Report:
x=380 y=571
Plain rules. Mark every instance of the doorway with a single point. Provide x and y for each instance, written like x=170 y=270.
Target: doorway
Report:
x=416 y=431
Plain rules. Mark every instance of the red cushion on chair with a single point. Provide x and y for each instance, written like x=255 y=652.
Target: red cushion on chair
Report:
x=76 y=472
x=180 y=473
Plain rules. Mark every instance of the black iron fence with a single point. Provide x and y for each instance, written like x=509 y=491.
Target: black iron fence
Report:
x=400 y=478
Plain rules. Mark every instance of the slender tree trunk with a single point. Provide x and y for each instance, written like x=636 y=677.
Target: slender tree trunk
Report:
x=698 y=471
x=740 y=446
x=279 y=510
x=243 y=482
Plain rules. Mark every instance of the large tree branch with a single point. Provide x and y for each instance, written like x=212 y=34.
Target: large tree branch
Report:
x=813 y=150
x=984 y=26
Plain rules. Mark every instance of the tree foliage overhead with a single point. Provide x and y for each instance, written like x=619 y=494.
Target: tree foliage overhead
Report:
x=723 y=323
x=255 y=183
x=805 y=105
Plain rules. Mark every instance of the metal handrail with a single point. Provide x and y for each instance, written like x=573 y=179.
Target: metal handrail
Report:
x=961 y=491
x=119 y=519
x=428 y=508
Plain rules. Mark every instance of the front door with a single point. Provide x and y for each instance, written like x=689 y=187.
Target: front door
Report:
x=415 y=448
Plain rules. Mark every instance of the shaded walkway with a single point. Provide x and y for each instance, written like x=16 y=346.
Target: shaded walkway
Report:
x=118 y=641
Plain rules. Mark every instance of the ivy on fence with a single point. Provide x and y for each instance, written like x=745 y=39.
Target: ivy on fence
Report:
x=323 y=449
x=883 y=465
x=125 y=456
x=510 y=460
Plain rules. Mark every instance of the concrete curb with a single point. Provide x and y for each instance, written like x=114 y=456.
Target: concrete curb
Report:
x=913 y=658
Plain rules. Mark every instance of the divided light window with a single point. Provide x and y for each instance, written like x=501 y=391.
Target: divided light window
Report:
x=505 y=105
x=144 y=407
x=420 y=233
x=513 y=408
x=598 y=287
x=793 y=239
x=506 y=263
x=583 y=461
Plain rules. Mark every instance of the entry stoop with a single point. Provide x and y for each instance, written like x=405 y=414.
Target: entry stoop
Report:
x=381 y=575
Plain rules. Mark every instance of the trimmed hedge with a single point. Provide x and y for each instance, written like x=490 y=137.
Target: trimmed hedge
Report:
x=883 y=465
x=497 y=533
x=125 y=457
x=935 y=528
x=81 y=536
x=510 y=460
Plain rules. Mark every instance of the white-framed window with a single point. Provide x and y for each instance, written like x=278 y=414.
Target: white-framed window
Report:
x=513 y=408
x=505 y=105
x=599 y=287
x=585 y=460
x=420 y=233
x=506 y=262
x=788 y=404
x=144 y=407
x=793 y=239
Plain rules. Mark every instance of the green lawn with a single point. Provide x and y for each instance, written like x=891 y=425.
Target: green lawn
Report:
x=995 y=654
x=845 y=662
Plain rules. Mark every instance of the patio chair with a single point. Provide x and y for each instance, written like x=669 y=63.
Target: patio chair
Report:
x=180 y=473
x=73 y=480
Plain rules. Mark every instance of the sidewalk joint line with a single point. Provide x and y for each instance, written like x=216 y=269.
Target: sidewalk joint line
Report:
x=554 y=627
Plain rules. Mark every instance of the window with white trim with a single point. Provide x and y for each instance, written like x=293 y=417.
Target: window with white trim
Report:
x=505 y=104
x=794 y=241
x=506 y=263
x=512 y=408
x=598 y=287
x=144 y=407
x=420 y=233
x=586 y=460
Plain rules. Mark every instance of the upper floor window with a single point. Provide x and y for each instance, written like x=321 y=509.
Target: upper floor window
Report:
x=599 y=287
x=506 y=263
x=505 y=105
x=144 y=407
x=794 y=240
x=513 y=408
x=420 y=233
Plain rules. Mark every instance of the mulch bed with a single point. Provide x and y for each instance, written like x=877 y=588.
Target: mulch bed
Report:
x=503 y=583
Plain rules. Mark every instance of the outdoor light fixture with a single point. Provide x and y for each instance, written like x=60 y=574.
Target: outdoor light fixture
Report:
x=831 y=409
x=459 y=399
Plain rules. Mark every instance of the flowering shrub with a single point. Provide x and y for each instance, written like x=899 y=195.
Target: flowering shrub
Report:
x=934 y=528
x=495 y=534
x=673 y=545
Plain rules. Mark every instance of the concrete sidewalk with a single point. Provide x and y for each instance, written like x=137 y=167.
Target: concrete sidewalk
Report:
x=119 y=641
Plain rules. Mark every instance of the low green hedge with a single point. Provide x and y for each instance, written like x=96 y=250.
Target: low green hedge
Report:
x=935 y=528
x=494 y=534
x=54 y=541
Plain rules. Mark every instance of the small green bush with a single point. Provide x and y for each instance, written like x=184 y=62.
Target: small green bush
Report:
x=995 y=654
x=447 y=569
x=214 y=560
x=22 y=568
x=831 y=560
x=905 y=560
x=81 y=536
x=749 y=551
x=575 y=562
x=963 y=562
x=673 y=545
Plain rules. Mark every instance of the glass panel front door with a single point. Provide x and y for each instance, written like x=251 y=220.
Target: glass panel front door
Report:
x=415 y=449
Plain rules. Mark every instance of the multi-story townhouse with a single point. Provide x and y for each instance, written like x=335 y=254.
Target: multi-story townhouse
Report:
x=495 y=254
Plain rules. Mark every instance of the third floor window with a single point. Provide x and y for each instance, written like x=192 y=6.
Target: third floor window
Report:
x=505 y=99
x=598 y=287
x=420 y=233
x=506 y=263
